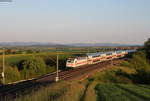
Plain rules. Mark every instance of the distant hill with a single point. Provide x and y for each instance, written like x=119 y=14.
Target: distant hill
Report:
x=101 y=44
x=49 y=44
x=24 y=43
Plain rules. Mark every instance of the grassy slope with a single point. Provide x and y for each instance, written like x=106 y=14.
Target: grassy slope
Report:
x=95 y=91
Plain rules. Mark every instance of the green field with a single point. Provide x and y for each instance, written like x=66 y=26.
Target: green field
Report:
x=122 y=92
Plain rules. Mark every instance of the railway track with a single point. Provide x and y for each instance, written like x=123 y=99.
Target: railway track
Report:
x=13 y=90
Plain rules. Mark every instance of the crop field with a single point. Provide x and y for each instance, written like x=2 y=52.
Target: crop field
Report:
x=122 y=92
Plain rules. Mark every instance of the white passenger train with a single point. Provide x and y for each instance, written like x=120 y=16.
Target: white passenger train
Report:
x=96 y=58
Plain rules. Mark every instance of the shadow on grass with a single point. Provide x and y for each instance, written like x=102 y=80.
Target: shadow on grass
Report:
x=99 y=93
x=15 y=90
x=144 y=86
x=140 y=77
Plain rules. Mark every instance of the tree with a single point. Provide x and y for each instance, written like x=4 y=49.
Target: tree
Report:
x=147 y=48
x=29 y=51
x=32 y=67
x=8 y=51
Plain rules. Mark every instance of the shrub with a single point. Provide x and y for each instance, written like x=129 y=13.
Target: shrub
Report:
x=147 y=48
x=12 y=74
x=139 y=62
x=125 y=64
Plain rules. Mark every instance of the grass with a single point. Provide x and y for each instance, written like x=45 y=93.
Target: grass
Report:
x=91 y=89
x=121 y=92
x=95 y=91
x=50 y=93
x=61 y=91
x=91 y=94
x=74 y=93
x=110 y=85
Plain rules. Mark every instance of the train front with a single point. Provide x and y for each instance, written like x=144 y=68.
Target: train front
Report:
x=70 y=62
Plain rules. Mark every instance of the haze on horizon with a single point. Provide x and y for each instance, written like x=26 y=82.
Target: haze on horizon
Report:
x=75 y=21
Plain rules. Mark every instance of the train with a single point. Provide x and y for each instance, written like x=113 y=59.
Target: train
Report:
x=93 y=58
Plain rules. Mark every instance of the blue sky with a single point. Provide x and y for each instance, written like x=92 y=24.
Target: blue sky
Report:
x=72 y=21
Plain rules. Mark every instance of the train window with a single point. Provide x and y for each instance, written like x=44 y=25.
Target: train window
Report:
x=109 y=54
x=95 y=56
x=70 y=60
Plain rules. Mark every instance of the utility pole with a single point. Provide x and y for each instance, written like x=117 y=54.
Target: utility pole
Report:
x=111 y=62
x=3 y=73
x=57 y=76
x=88 y=50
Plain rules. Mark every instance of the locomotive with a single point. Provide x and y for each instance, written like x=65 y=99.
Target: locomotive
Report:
x=94 y=58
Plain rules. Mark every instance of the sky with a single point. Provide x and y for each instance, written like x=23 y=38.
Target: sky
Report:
x=75 y=21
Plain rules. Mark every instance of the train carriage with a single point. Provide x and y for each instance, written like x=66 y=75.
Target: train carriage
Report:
x=95 y=57
x=109 y=55
x=121 y=53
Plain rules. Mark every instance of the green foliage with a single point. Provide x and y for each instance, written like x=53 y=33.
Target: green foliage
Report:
x=125 y=64
x=12 y=74
x=16 y=60
x=112 y=76
x=139 y=62
x=29 y=51
x=142 y=67
x=33 y=67
x=147 y=48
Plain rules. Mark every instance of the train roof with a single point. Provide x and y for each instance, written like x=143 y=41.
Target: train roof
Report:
x=110 y=52
x=131 y=51
x=100 y=53
x=95 y=54
x=79 y=58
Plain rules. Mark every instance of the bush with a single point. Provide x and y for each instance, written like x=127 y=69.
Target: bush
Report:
x=147 y=48
x=12 y=74
x=140 y=62
x=125 y=64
